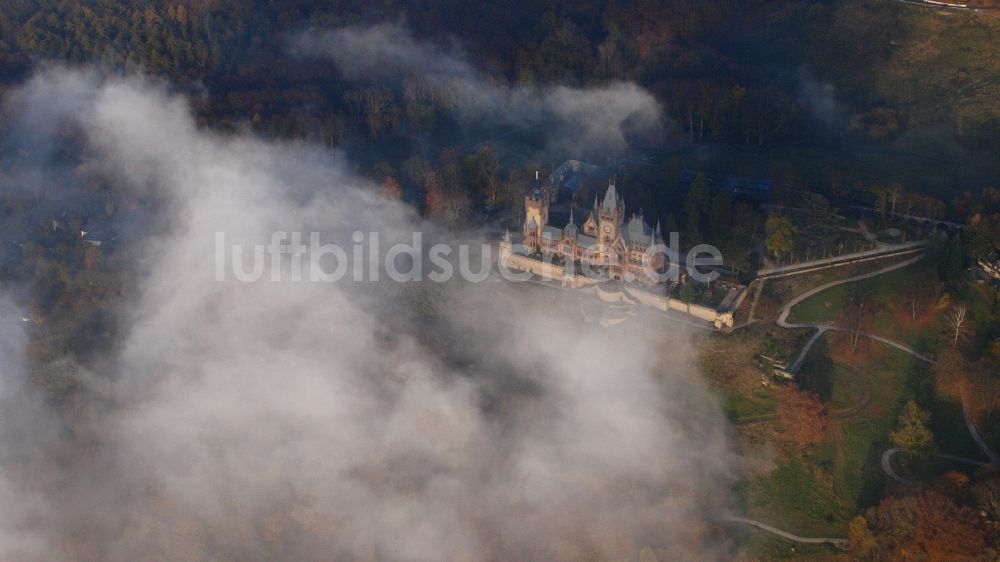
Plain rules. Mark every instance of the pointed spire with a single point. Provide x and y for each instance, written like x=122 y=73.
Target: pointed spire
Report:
x=611 y=197
x=570 y=230
x=506 y=235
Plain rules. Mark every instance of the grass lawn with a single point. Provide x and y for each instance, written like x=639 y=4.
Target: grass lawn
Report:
x=950 y=432
x=890 y=319
x=738 y=405
x=817 y=493
x=849 y=389
x=827 y=305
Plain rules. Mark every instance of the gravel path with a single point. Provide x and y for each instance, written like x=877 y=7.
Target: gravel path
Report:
x=839 y=543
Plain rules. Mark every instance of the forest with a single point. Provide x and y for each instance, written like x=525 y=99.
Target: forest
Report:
x=848 y=80
x=853 y=113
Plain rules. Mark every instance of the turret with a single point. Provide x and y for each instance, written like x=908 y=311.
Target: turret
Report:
x=570 y=231
x=613 y=207
x=536 y=216
x=610 y=215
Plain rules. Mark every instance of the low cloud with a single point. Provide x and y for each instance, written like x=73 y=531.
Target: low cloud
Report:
x=820 y=99
x=371 y=421
x=597 y=121
x=24 y=434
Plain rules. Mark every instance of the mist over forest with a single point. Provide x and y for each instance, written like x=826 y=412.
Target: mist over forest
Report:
x=151 y=410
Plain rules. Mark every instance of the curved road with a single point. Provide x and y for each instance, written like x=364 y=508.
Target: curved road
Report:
x=839 y=543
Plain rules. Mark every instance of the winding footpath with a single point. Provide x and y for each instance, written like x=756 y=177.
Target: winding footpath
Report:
x=971 y=424
x=823 y=327
x=839 y=543
x=891 y=472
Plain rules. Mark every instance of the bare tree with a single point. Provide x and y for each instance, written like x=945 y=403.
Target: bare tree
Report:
x=882 y=195
x=489 y=167
x=374 y=105
x=958 y=323
x=856 y=317
x=917 y=292
x=456 y=208
x=894 y=192
x=987 y=494
x=857 y=314
x=450 y=205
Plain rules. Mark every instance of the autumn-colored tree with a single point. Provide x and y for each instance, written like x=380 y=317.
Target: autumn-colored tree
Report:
x=987 y=494
x=927 y=526
x=860 y=539
x=953 y=484
x=391 y=189
x=780 y=235
x=803 y=416
x=448 y=205
x=434 y=200
x=913 y=433
x=950 y=371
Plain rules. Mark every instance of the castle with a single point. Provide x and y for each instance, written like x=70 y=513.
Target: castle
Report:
x=608 y=243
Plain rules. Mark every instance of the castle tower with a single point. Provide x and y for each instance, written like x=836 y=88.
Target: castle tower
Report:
x=611 y=214
x=536 y=217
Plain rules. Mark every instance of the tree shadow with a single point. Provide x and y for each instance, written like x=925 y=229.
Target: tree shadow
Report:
x=817 y=370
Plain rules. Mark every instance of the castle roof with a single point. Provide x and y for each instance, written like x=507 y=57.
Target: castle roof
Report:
x=637 y=230
x=570 y=229
x=551 y=233
x=532 y=225
x=611 y=199
x=588 y=242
